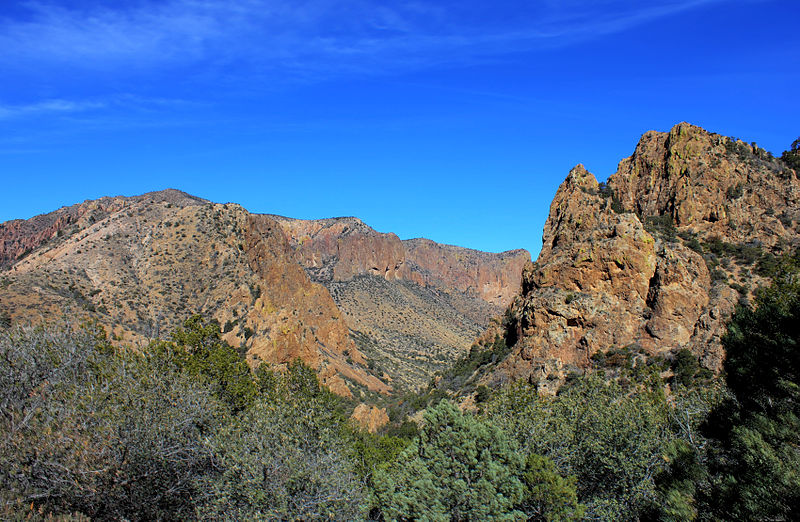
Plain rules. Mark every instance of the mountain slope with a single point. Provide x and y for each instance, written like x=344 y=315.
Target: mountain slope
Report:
x=144 y=264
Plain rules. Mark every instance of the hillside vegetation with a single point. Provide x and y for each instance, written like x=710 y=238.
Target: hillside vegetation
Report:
x=186 y=430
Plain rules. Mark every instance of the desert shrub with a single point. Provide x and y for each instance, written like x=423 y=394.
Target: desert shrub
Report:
x=662 y=226
x=685 y=367
x=547 y=495
x=459 y=468
x=5 y=320
x=755 y=466
x=284 y=459
x=792 y=156
x=610 y=440
x=198 y=349
x=735 y=191
x=92 y=430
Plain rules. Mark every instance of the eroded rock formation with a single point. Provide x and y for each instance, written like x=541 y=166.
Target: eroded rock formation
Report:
x=655 y=260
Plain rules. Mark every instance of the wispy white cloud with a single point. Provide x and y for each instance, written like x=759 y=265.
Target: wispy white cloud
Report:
x=53 y=106
x=131 y=103
x=307 y=37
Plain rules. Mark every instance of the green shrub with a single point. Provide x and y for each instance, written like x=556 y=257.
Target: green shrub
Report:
x=662 y=226
x=685 y=367
x=459 y=468
x=609 y=439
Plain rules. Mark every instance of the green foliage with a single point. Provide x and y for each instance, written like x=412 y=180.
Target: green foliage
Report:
x=685 y=367
x=677 y=485
x=482 y=394
x=94 y=431
x=407 y=430
x=735 y=191
x=460 y=468
x=285 y=458
x=739 y=149
x=608 y=439
x=616 y=205
x=548 y=496
x=198 y=349
x=792 y=156
x=662 y=226
x=614 y=358
x=5 y=320
x=371 y=452
x=755 y=465
x=606 y=192
x=690 y=240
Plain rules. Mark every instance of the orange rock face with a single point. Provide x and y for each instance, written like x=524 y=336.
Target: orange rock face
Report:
x=494 y=278
x=339 y=249
x=295 y=318
x=371 y=418
x=610 y=275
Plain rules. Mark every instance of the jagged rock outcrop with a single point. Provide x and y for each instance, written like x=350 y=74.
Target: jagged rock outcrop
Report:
x=655 y=260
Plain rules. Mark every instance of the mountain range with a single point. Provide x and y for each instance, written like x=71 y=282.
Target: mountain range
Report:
x=646 y=265
x=371 y=313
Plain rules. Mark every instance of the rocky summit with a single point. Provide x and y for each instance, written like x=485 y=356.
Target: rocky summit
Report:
x=141 y=265
x=656 y=259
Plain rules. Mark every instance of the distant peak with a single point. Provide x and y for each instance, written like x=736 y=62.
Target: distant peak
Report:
x=171 y=195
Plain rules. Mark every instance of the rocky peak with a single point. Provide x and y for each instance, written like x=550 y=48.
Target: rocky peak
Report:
x=710 y=185
x=655 y=260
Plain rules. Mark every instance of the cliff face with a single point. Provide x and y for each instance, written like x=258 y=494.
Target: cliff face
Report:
x=341 y=249
x=147 y=265
x=657 y=259
x=413 y=306
x=494 y=278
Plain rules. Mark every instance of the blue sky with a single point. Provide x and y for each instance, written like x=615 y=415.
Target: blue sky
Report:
x=454 y=121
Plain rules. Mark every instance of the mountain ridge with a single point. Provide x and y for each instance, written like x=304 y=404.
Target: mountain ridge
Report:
x=141 y=264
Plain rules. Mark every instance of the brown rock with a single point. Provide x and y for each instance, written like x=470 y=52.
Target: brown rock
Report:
x=494 y=278
x=371 y=418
